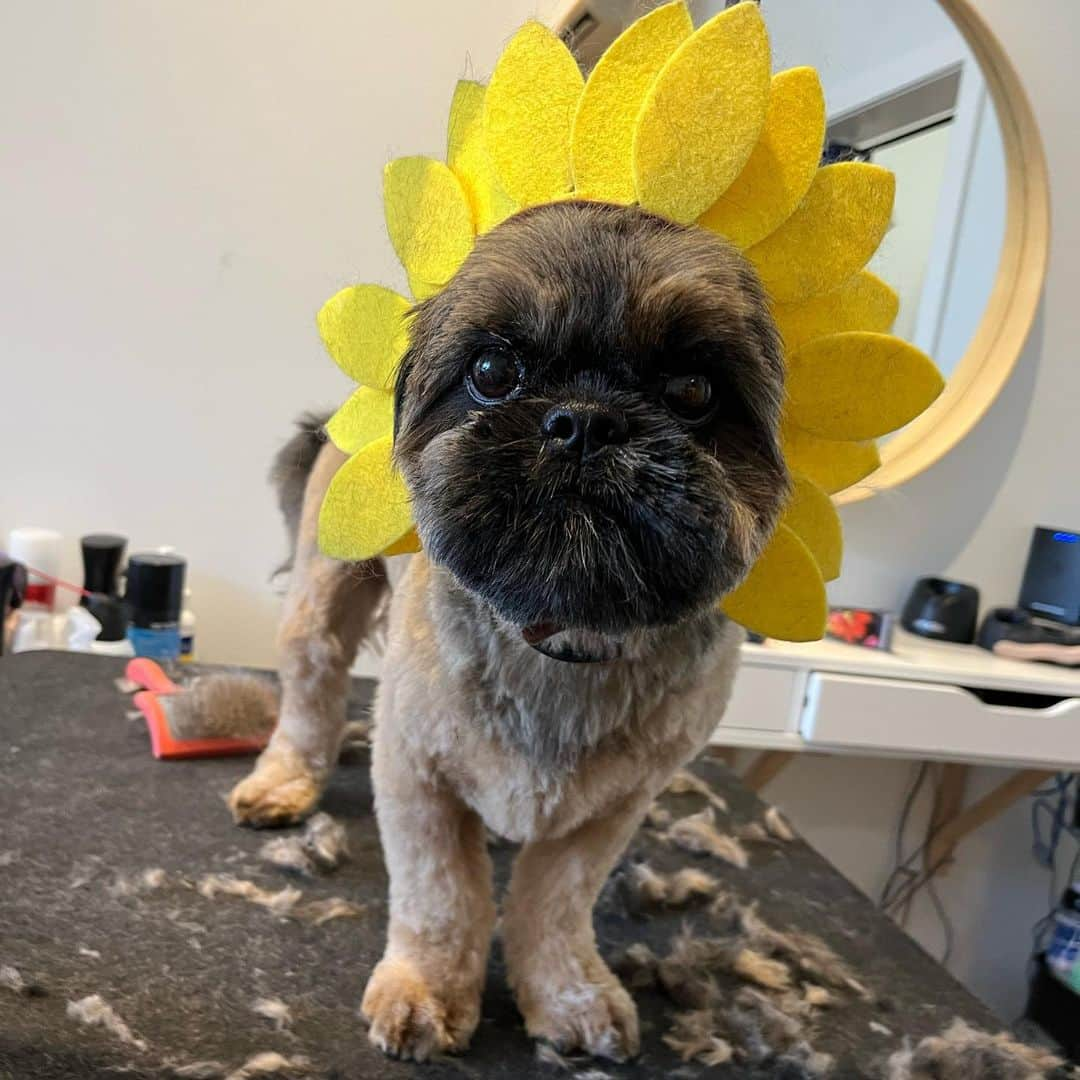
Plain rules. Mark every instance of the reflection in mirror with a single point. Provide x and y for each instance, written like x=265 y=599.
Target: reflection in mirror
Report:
x=904 y=91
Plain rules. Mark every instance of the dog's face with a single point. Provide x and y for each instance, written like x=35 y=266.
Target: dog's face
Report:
x=588 y=420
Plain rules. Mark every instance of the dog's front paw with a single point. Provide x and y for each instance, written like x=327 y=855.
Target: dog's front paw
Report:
x=281 y=790
x=409 y=1019
x=597 y=1017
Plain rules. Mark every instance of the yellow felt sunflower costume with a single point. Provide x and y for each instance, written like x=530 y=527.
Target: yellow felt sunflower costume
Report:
x=694 y=126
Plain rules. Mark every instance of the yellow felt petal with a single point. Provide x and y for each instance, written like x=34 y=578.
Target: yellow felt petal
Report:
x=528 y=112
x=468 y=158
x=702 y=115
x=367 y=415
x=603 y=131
x=831 y=464
x=409 y=544
x=421 y=289
x=831 y=235
x=364 y=330
x=864 y=302
x=781 y=168
x=811 y=516
x=784 y=594
x=366 y=507
x=428 y=218
x=858 y=385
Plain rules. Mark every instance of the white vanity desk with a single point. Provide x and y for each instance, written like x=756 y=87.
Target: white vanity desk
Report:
x=924 y=699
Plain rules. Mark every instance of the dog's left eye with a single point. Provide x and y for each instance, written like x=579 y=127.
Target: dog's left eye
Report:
x=689 y=397
x=493 y=376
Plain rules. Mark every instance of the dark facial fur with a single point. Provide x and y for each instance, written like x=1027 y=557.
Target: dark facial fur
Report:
x=599 y=305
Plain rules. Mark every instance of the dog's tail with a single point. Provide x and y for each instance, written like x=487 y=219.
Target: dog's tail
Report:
x=290 y=471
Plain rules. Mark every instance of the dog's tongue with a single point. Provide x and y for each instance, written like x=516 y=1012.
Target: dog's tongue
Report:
x=538 y=632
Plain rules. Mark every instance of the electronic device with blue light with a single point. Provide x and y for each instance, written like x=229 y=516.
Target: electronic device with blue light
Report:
x=1051 y=587
x=1043 y=626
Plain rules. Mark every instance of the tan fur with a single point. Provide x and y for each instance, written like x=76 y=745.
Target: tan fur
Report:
x=441 y=774
x=329 y=609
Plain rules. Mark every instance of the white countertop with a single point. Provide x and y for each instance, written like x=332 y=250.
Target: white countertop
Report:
x=917 y=658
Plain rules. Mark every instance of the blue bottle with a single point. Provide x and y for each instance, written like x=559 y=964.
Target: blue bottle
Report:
x=154 y=595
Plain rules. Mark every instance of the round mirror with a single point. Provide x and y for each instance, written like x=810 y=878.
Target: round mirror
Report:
x=924 y=89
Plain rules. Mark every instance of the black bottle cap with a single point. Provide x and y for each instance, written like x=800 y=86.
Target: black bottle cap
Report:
x=101 y=554
x=155 y=588
x=111 y=612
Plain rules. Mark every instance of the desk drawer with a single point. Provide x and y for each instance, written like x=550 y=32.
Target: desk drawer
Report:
x=856 y=711
x=765 y=699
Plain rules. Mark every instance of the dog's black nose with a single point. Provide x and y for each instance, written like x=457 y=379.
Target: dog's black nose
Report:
x=584 y=428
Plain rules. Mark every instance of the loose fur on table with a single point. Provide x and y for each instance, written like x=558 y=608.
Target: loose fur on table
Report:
x=964 y=1053
x=285 y=903
x=698 y=833
x=95 y=1011
x=768 y=1022
x=321 y=848
x=651 y=888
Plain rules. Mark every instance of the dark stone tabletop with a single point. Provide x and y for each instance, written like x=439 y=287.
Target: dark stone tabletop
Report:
x=83 y=807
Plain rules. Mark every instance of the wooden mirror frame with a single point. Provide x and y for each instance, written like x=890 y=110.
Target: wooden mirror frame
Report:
x=1014 y=299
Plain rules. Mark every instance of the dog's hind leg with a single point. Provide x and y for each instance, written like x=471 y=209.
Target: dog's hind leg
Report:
x=329 y=610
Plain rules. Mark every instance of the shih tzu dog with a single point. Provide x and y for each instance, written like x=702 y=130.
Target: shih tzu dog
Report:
x=587 y=417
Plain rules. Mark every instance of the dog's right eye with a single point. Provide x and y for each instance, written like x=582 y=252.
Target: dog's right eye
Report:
x=493 y=376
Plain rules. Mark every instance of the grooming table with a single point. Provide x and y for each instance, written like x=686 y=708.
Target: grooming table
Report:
x=83 y=805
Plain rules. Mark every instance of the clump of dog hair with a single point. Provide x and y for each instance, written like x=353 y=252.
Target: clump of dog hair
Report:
x=270 y=1062
x=692 y=1038
x=279 y=903
x=197 y=1070
x=275 y=1010
x=223 y=706
x=757 y=968
x=698 y=834
x=322 y=847
x=653 y=888
x=637 y=966
x=685 y=783
x=356 y=736
x=137 y=884
x=804 y=952
x=95 y=1011
x=777 y=826
x=748 y=1028
x=817 y=997
x=322 y=911
x=767 y=1021
x=12 y=979
x=658 y=817
x=753 y=832
x=285 y=903
x=963 y=1053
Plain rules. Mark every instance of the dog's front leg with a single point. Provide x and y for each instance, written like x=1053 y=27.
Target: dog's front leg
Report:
x=563 y=988
x=424 y=995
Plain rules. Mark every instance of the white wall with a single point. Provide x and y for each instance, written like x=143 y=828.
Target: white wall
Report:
x=185 y=182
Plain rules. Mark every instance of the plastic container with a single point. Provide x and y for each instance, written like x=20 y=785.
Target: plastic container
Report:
x=1063 y=952
x=40 y=549
x=154 y=595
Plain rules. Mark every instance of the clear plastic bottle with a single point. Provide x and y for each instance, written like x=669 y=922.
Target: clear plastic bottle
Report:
x=1063 y=952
